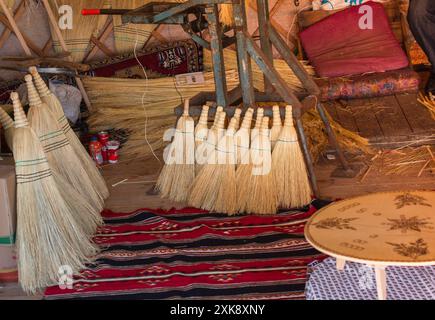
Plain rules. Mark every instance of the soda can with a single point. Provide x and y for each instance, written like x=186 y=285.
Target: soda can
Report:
x=112 y=151
x=103 y=137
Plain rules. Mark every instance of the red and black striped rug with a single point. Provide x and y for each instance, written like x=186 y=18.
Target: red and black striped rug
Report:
x=193 y=254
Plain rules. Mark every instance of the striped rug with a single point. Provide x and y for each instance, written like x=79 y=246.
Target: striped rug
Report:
x=193 y=254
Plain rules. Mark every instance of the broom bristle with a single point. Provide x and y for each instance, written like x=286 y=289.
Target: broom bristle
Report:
x=226 y=14
x=8 y=126
x=203 y=192
x=55 y=107
x=288 y=166
x=201 y=132
x=226 y=201
x=60 y=154
x=48 y=235
x=262 y=197
x=276 y=126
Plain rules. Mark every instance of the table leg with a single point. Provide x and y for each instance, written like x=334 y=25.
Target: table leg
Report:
x=381 y=282
x=340 y=264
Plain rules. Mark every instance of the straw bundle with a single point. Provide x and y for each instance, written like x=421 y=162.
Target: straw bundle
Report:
x=201 y=132
x=276 y=126
x=225 y=172
x=262 y=193
x=60 y=154
x=226 y=14
x=206 y=185
x=242 y=138
x=288 y=167
x=280 y=65
x=140 y=106
x=48 y=235
x=428 y=102
x=78 y=38
x=8 y=126
x=56 y=108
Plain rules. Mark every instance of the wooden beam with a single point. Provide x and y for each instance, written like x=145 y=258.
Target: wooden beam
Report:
x=101 y=46
x=102 y=37
x=276 y=25
x=55 y=26
x=7 y=32
x=274 y=10
x=47 y=46
x=14 y=27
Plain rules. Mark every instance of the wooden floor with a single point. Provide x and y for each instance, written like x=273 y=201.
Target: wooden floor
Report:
x=387 y=121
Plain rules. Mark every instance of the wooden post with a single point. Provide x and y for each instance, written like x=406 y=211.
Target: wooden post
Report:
x=15 y=28
x=7 y=32
x=64 y=48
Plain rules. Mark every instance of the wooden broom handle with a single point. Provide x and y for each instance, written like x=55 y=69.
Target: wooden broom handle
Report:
x=33 y=96
x=40 y=84
x=186 y=107
x=288 y=122
x=204 y=115
x=221 y=121
x=15 y=28
x=19 y=115
x=276 y=116
x=216 y=116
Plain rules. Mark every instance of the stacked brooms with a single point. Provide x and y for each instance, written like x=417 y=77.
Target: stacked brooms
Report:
x=60 y=192
x=238 y=169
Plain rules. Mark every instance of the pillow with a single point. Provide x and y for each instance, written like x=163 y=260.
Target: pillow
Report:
x=337 y=46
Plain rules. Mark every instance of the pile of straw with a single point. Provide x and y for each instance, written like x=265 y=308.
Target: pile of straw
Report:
x=405 y=161
x=428 y=102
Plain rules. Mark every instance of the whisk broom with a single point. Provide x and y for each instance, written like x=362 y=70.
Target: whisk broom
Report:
x=244 y=169
x=48 y=235
x=55 y=107
x=225 y=171
x=8 y=126
x=288 y=167
x=201 y=132
x=178 y=173
x=276 y=126
x=262 y=196
x=60 y=154
x=204 y=189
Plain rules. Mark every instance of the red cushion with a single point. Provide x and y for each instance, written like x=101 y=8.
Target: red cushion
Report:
x=336 y=46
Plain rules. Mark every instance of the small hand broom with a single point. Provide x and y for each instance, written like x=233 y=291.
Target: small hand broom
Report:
x=55 y=107
x=276 y=126
x=179 y=172
x=262 y=194
x=225 y=171
x=204 y=188
x=8 y=126
x=48 y=235
x=244 y=169
x=288 y=167
x=201 y=132
x=61 y=156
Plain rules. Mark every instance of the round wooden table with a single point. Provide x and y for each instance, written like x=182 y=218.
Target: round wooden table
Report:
x=380 y=230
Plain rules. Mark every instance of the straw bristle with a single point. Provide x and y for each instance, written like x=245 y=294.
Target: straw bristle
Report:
x=8 y=126
x=226 y=14
x=48 y=234
x=225 y=172
x=60 y=154
x=288 y=166
x=19 y=115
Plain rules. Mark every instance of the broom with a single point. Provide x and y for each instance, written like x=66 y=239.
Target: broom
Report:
x=48 y=235
x=204 y=188
x=276 y=126
x=241 y=138
x=8 y=126
x=204 y=149
x=179 y=173
x=225 y=171
x=262 y=193
x=237 y=115
x=201 y=132
x=244 y=169
x=56 y=108
x=288 y=167
x=60 y=154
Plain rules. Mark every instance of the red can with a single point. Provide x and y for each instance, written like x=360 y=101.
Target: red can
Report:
x=103 y=137
x=105 y=154
x=95 y=150
x=112 y=151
